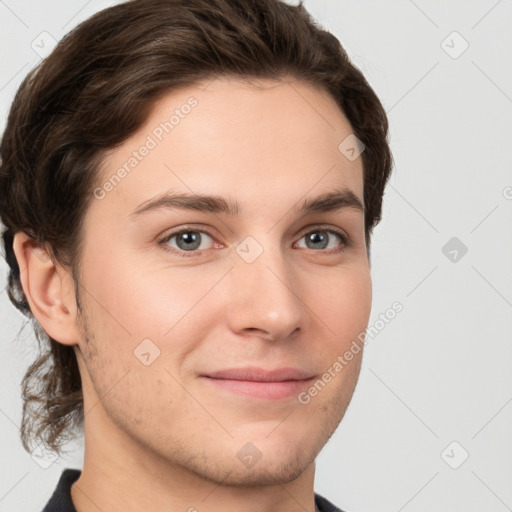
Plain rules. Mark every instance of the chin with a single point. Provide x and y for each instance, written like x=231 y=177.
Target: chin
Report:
x=262 y=473
x=263 y=462
x=264 y=477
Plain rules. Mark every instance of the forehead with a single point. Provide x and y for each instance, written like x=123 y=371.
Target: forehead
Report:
x=262 y=142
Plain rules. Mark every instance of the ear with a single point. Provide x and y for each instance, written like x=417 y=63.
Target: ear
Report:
x=49 y=290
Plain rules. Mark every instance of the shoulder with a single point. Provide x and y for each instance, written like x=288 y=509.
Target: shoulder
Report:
x=324 y=505
x=61 y=497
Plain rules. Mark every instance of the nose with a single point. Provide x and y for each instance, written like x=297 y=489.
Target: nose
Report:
x=265 y=298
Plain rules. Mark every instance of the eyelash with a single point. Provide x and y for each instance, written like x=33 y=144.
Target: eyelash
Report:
x=344 y=240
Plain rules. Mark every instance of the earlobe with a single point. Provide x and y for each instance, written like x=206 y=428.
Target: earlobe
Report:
x=49 y=290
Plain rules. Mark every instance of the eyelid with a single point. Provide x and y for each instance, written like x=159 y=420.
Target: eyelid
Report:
x=323 y=227
x=344 y=238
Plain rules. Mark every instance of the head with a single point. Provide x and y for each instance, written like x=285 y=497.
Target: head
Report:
x=137 y=284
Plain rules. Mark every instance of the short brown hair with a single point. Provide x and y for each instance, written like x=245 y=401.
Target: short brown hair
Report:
x=97 y=88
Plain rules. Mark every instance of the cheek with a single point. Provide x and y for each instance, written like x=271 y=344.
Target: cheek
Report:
x=137 y=297
x=130 y=301
x=342 y=303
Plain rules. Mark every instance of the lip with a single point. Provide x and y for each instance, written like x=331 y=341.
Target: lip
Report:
x=277 y=384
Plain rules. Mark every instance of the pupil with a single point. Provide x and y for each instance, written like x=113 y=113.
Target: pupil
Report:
x=318 y=237
x=190 y=240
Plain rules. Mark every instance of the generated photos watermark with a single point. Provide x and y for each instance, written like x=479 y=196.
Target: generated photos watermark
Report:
x=152 y=140
x=304 y=397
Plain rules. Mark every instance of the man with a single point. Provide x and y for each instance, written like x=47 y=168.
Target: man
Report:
x=188 y=190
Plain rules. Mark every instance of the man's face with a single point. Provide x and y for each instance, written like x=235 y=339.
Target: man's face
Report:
x=267 y=288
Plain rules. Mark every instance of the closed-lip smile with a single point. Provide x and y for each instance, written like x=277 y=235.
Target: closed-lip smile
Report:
x=259 y=383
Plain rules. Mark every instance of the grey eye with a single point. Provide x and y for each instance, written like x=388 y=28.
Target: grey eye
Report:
x=188 y=240
x=322 y=239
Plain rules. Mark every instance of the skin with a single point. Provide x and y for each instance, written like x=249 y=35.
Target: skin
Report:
x=159 y=437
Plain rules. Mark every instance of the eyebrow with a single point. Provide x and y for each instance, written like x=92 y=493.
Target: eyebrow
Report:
x=329 y=202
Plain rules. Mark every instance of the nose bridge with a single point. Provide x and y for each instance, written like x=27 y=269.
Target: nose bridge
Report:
x=265 y=294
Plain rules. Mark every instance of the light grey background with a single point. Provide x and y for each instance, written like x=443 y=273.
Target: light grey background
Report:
x=440 y=371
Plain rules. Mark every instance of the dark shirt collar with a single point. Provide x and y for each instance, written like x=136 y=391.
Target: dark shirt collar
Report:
x=61 y=498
